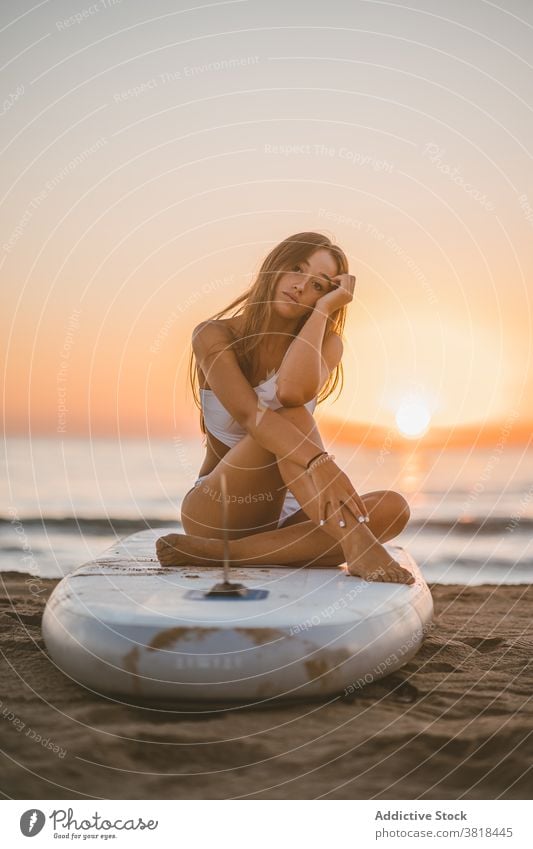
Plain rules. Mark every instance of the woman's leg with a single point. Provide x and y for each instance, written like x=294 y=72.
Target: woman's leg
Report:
x=301 y=543
x=362 y=551
x=365 y=556
x=255 y=484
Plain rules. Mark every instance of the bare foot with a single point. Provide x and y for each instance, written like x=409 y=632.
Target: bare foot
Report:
x=182 y=550
x=367 y=558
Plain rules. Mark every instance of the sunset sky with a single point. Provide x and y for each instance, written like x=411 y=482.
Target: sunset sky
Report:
x=152 y=155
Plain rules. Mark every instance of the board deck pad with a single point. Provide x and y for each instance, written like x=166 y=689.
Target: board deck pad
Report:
x=124 y=625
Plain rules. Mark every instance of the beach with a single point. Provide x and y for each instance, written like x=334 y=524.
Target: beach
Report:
x=455 y=722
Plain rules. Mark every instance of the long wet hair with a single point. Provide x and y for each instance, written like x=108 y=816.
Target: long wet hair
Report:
x=255 y=304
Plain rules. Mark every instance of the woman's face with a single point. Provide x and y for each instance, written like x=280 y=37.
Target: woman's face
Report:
x=300 y=287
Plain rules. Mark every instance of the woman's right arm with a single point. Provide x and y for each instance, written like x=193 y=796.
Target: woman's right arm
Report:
x=211 y=345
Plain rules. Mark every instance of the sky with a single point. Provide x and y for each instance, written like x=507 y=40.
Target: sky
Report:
x=153 y=154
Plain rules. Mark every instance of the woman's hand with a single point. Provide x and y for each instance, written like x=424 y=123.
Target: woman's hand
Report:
x=336 y=494
x=339 y=296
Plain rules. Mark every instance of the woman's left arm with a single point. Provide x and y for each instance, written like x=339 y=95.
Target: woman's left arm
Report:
x=311 y=358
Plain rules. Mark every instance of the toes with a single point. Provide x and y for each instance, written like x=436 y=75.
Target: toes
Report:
x=164 y=544
x=406 y=577
x=391 y=574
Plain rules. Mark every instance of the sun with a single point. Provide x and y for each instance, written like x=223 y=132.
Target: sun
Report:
x=413 y=417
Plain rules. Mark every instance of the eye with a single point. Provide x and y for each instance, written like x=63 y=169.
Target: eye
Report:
x=320 y=286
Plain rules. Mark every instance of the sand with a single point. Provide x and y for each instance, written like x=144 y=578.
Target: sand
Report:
x=456 y=722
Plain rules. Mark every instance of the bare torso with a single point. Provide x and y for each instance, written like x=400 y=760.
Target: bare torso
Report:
x=268 y=360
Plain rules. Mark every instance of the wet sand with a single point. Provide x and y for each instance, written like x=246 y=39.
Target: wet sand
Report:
x=455 y=722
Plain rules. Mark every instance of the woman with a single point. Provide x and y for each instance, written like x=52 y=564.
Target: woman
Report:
x=259 y=373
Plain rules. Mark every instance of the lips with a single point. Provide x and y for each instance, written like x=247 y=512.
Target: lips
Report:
x=291 y=297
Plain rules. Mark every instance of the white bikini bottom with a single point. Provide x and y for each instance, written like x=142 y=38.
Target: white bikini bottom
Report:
x=289 y=506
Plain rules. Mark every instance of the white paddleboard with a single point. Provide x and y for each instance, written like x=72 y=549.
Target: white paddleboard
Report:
x=124 y=625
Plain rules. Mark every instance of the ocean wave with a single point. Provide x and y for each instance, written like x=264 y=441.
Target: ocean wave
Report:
x=474 y=525
x=500 y=564
x=125 y=525
x=89 y=524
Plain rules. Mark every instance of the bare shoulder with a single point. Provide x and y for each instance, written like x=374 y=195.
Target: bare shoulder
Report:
x=211 y=331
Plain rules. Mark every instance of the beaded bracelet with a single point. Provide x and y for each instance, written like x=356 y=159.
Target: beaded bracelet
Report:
x=315 y=457
x=317 y=461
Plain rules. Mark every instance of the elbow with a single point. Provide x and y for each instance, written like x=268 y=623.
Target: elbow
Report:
x=290 y=400
x=293 y=399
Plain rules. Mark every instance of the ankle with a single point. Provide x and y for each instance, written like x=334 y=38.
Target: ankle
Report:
x=359 y=536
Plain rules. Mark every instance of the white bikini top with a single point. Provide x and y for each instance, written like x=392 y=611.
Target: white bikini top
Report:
x=222 y=424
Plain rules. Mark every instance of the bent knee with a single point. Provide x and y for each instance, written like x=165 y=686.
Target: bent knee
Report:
x=391 y=503
x=399 y=506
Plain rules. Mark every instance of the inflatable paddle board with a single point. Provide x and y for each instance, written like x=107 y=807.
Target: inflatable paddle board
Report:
x=124 y=625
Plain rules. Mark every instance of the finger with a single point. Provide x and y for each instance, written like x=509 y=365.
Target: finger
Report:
x=322 y=509
x=339 y=515
x=327 y=511
x=354 y=506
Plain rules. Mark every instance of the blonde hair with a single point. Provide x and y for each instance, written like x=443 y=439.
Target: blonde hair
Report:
x=256 y=307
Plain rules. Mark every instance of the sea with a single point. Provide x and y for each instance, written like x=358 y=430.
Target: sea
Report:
x=63 y=502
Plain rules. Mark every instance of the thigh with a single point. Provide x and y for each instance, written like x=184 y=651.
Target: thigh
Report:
x=256 y=489
x=255 y=494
